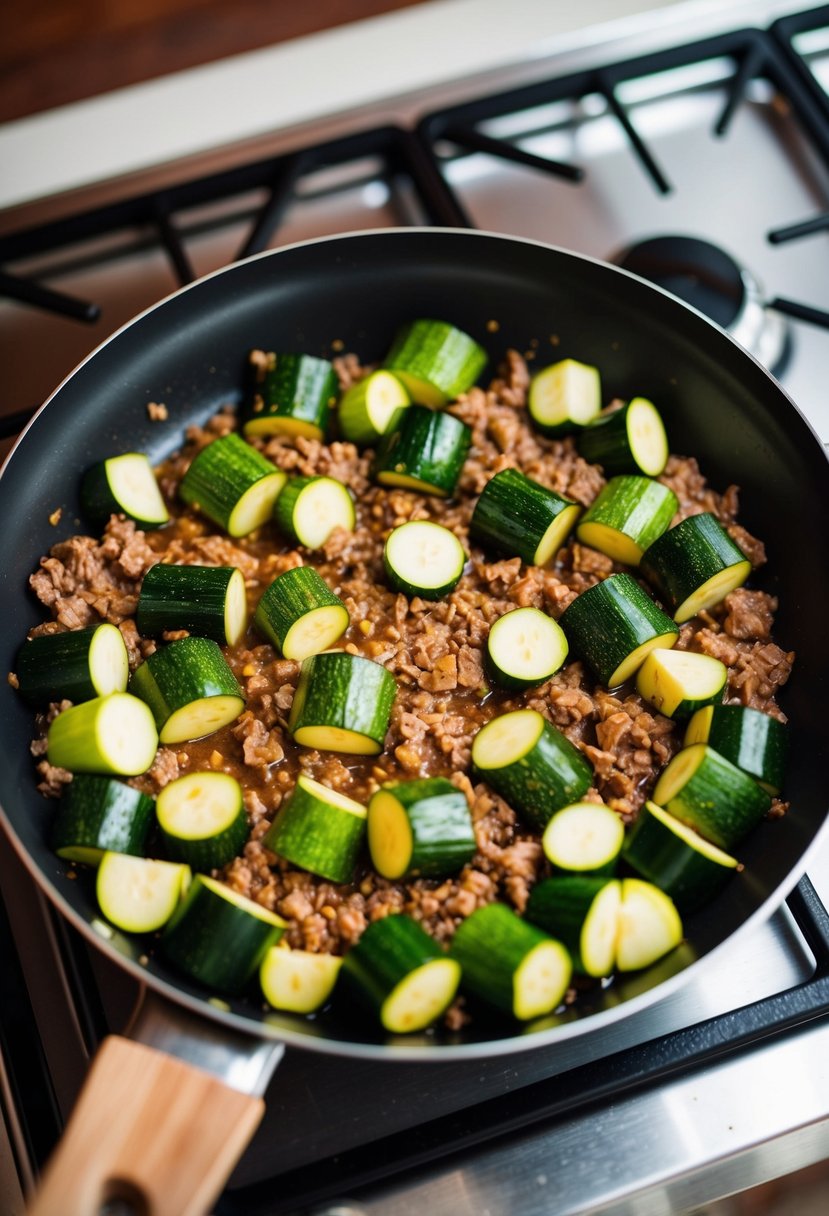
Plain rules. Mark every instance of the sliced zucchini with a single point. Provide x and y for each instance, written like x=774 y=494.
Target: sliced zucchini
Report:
x=289 y=395
x=371 y=407
x=308 y=510
x=425 y=452
x=189 y=688
x=626 y=517
x=524 y=648
x=218 y=937
x=649 y=925
x=435 y=361
x=297 y=980
x=209 y=601
x=73 y=666
x=420 y=828
x=425 y=559
x=679 y=682
x=582 y=913
x=123 y=485
x=614 y=625
x=584 y=838
x=694 y=566
x=342 y=704
x=631 y=439
x=710 y=794
x=98 y=815
x=519 y=517
x=300 y=615
x=676 y=859
x=232 y=484
x=318 y=830
x=531 y=764
x=112 y=734
x=564 y=397
x=138 y=894
x=754 y=741
x=202 y=819
x=511 y=964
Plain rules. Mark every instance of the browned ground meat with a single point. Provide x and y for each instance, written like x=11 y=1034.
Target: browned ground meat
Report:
x=434 y=651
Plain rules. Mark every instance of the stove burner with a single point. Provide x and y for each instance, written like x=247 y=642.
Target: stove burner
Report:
x=711 y=280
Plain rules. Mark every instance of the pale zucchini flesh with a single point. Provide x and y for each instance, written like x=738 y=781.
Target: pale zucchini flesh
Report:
x=564 y=395
x=525 y=647
x=390 y=838
x=297 y=980
x=713 y=591
x=113 y=734
x=629 y=666
x=649 y=925
x=541 y=980
x=600 y=931
x=321 y=506
x=421 y=997
x=317 y=630
x=199 y=805
x=424 y=558
x=506 y=739
x=368 y=409
x=585 y=837
x=137 y=894
x=556 y=534
x=255 y=506
x=678 y=682
x=646 y=434
x=200 y=718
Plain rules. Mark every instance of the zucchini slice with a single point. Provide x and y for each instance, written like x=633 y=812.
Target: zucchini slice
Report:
x=112 y=734
x=679 y=682
x=564 y=397
x=435 y=361
x=297 y=980
x=531 y=764
x=290 y=395
x=137 y=894
x=676 y=859
x=402 y=973
x=232 y=484
x=371 y=407
x=420 y=828
x=524 y=648
x=342 y=704
x=694 y=566
x=519 y=517
x=511 y=964
x=584 y=838
x=582 y=913
x=626 y=517
x=308 y=510
x=189 y=688
x=710 y=794
x=614 y=625
x=754 y=741
x=98 y=815
x=300 y=615
x=318 y=830
x=73 y=666
x=209 y=601
x=123 y=485
x=425 y=559
x=218 y=937
x=202 y=819
x=649 y=925
x=631 y=439
x=425 y=452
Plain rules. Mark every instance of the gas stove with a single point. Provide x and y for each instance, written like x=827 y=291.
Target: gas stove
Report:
x=691 y=145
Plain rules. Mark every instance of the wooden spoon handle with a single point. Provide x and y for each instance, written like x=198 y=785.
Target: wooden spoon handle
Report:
x=151 y=1130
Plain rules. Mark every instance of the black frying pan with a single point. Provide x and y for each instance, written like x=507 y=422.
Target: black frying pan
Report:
x=718 y=403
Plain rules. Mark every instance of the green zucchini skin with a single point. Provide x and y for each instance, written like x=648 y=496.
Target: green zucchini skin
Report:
x=562 y=905
x=182 y=818
x=435 y=361
x=680 y=563
x=629 y=513
x=518 y=517
x=112 y=734
x=219 y=938
x=62 y=666
x=317 y=830
x=753 y=741
x=194 y=598
x=96 y=815
x=667 y=678
x=418 y=550
x=675 y=859
x=611 y=441
x=608 y=624
x=550 y=775
x=101 y=495
x=181 y=675
x=224 y=476
x=288 y=510
x=346 y=693
x=717 y=799
x=441 y=833
x=425 y=453
x=371 y=407
x=289 y=395
x=289 y=600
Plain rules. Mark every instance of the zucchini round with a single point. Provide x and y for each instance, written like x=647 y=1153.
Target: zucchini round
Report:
x=297 y=980
x=290 y=395
x=710 y=794
x=318 y=830
x=676 y=859
x=209 y=601
x=202 y=819
x=425 y=452
x=74 y=666
x=679 y=682
x=371 y=407
x=232 y=484
x=113 y=734
x=420 y=828
x=694 y=566
x=631 y=439
x=435 y=361
x=342 y=704
x=308 y=510
x=123 y=485
x=138 y=894
x=189 y=688
x=525 y=648
x=754 y=741
x=649 y=925
x=300 y=615
x=518 y=517
x=582 y=913
x=97 y=815
x=626 y=517
x=564 y=397
x=584 y=838
x=423 y=558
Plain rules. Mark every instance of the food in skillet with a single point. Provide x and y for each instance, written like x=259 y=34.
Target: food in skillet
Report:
x=423 y=762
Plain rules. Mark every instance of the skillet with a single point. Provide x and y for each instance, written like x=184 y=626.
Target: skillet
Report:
x=718 y=403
